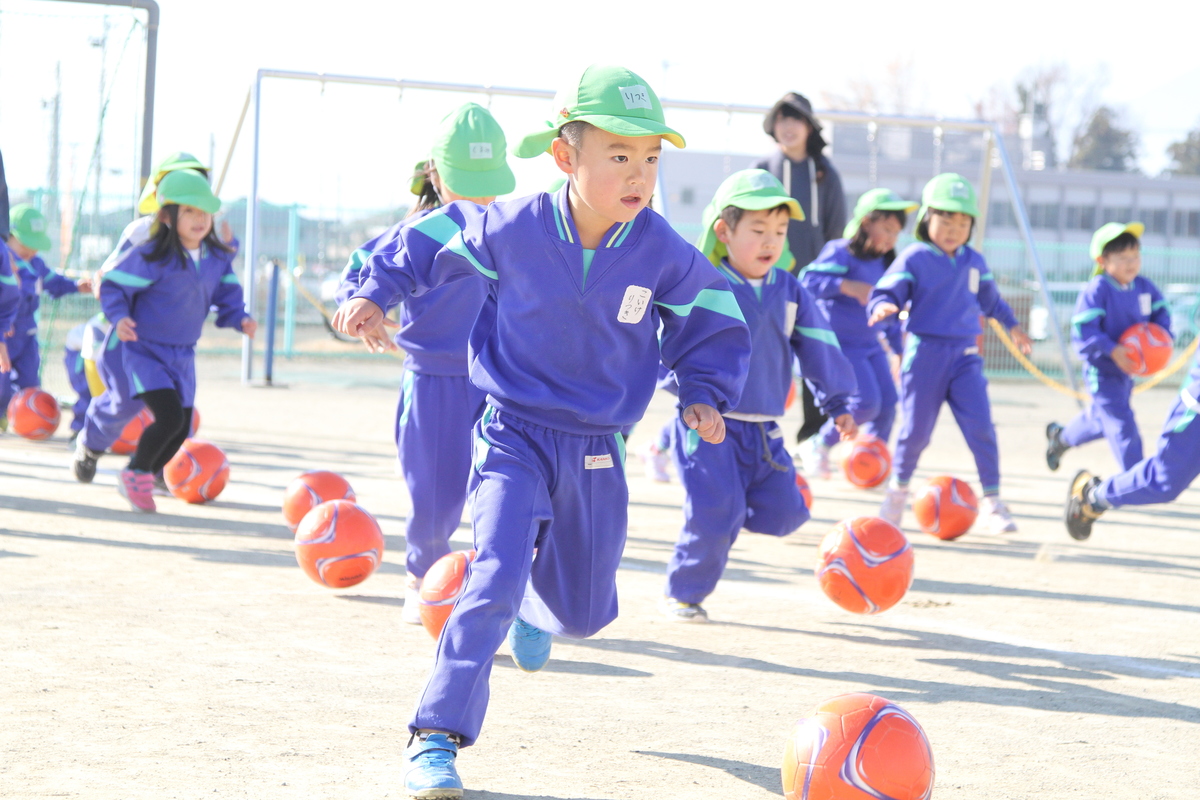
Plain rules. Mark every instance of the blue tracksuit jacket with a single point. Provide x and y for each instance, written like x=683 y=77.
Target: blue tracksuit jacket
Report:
x=848 y=318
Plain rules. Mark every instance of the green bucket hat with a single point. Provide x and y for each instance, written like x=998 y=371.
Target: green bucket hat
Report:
x=1110 y=231
x=469 y=154
x=29 y=226
x=611 y=98
x=147 y=204
x=749 y=189
x=876 y=200
x=187 y=187
x=948 y=192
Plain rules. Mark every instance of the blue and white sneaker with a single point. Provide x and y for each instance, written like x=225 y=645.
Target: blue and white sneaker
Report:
x=530 y=646
x=429 y=772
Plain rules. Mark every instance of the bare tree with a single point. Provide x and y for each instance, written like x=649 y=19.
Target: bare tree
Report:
x=892 y=92
x=1105 y=144
x=1185 y=154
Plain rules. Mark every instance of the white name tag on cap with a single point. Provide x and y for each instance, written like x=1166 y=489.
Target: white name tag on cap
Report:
x=1144 y=303
x=598 y=462
x=480 y=149
x=635 y=97
x=634 y=304
x=973 y=280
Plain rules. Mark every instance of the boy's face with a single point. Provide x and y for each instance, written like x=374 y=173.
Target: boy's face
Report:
x=1124 y=266
x=614 y=176
x=754 y=244
x=949 y=231
x=24 y=253
x=192 y=226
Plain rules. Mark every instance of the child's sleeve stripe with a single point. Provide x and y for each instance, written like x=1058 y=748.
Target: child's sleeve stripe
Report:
x=820 y=334
x=230 y=278
x=357 y=259
x=987 y=276
x=1087 y=316
x=833 y=269
x=448 y=233
x=1158 y=304
x=11 y=280
x=722 y=302
x=125 y=279
x=891 y=280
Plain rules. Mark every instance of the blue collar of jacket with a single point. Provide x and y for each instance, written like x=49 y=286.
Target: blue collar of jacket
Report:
x=560 y=224
x=738 y=279
x=1116 y=284
x=940 y=252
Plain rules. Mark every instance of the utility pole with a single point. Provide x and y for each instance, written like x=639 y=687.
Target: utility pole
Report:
x=51 y=198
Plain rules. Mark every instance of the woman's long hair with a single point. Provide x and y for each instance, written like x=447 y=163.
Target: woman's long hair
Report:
x=164 y=238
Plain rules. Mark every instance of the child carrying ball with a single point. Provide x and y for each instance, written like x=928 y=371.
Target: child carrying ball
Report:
x=157 y=297
x=748 y=481
x=1116 y=298
x=27 y=235
x=438 y=404
x=841 y=280
x=946 y=285
x=587 y=291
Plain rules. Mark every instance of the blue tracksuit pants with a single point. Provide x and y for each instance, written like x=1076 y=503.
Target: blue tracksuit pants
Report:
x=937 y=371
x=73 y=361
x=1109 y=416
x=747 y=481
x=1163 y=476
x=531 y=488
x=874 y=404
x=108 y=414
x=26 y=361
x=434 y=420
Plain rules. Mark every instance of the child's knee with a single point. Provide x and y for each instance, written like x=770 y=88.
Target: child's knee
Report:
x=780 y=518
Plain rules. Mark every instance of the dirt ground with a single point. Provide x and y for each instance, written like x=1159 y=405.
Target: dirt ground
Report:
x=185 y=655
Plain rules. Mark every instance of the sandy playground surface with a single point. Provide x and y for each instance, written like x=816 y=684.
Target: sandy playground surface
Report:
x=185 y=655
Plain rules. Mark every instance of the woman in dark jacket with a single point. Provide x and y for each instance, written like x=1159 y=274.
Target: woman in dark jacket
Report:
x=808 y=176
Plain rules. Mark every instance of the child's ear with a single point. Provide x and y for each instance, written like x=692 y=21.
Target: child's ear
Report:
x=723 y=231
x=564 y=155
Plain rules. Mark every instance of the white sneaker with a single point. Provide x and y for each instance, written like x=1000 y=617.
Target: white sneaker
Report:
x=894 y=501
x=816 y=459
x=656 y=462
x=999 y=518
x=411 y=614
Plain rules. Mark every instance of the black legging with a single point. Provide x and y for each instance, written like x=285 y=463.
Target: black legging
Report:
x=163 y=437
x=812 y=416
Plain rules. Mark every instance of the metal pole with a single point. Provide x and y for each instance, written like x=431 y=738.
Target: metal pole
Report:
x=237 y=132
x=289 y=308
x=272 y=305
x=1027 y=234
x=252 y=231
x=985 y=190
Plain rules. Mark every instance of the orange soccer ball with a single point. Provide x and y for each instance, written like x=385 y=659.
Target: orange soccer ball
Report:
x=33 y=414
x=945 y=507
x=857 y=747
x=865 y=565
x=131 y=434
x=195 y=426
x=441 y=587
x=338 y=544
x=1149 y=345
x=868 y=462
x=309 y=490
x=198 y=472
x=805 y=491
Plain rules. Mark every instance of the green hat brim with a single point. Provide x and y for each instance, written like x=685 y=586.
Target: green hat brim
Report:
x=1100 y=242
x=537 y=143
x=714 y=250
x=33 y=240
x=486 y=183
x=907 y=206
x=148 y=202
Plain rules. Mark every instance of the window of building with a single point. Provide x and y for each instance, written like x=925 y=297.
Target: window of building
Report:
x=1082 y=218
x=1044 y=215
x=1155 y=220
x=1187 y=223
x=1116 y=214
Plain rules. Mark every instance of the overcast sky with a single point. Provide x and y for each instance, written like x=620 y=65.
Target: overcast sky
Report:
x=350 y=148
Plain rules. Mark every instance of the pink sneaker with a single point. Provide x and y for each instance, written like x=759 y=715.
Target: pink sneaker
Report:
x=137 y=488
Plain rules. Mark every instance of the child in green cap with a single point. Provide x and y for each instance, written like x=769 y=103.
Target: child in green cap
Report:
x=587 y=292
x=749 y=480
x=946 y=286
x=438 y=403
x=27 y=235
x=1116 y=298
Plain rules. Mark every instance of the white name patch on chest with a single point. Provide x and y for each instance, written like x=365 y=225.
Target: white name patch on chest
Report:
x=973 y=280
x=634 y=304
x=598 y=462
x=1144 y=303
x=789 y=317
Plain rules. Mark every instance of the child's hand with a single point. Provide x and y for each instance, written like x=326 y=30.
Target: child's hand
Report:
x=125 y=330
x=1122 y=359
x=1021 y=339
x=859 y=290
x=705 y=420
x=359 y=317
x=882 y=312
x=96 y=284
x=84 y=284
x=249 y=326
x=846 y=426
x=376 y=343
x=226 y=232
x=5 y=363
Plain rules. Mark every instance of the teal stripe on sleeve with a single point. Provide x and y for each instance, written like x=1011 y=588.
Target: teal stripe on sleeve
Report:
x=1084 y=317
x=717 y=300
x=230 y=278
x=987 y=276
x=11 y=280
x=1159 y=304
x=125 y=279
x=446 y=232
x=832 y=269
x=357 y=259
x=820 y=334
x=893 y=279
